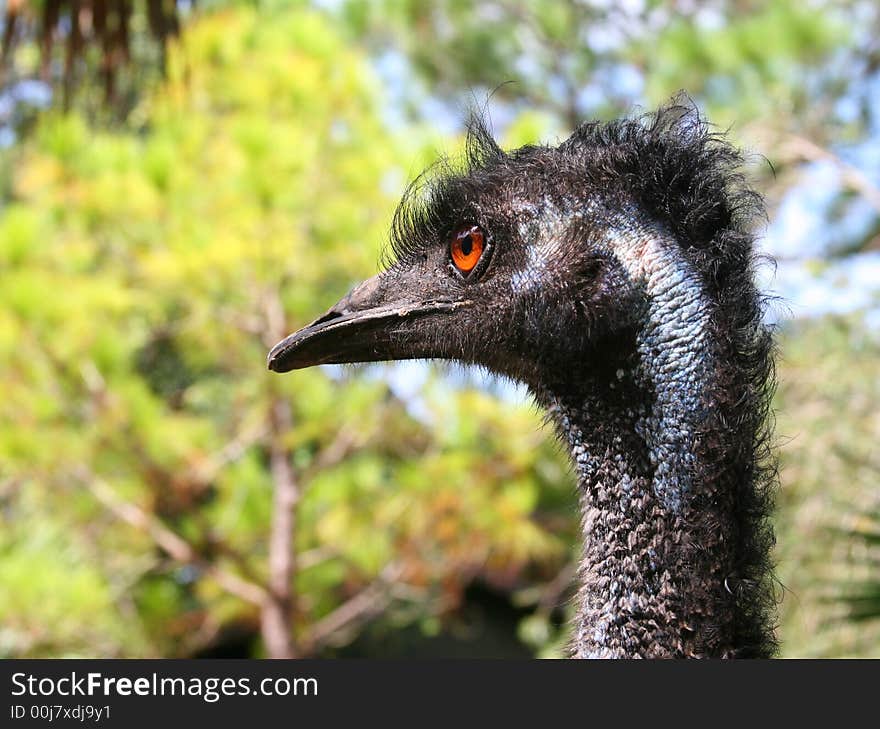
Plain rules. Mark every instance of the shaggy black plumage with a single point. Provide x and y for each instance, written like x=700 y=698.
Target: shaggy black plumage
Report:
x=616 y=279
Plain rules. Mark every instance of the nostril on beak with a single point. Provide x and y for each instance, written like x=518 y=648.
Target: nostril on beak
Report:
x=334 y=313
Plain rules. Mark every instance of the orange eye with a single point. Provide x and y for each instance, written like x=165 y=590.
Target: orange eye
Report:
x=466 y=248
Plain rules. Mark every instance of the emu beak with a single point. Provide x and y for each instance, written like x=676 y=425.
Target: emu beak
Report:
x=373 y=322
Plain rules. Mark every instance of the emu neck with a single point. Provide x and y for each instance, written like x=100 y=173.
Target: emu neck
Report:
x=658 y=513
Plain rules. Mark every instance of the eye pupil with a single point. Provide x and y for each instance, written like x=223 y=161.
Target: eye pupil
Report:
x=467 y=245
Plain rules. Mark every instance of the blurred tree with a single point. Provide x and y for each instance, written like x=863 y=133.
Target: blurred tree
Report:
x=796 y=82
x=861 y=594
x=160 y=489
x=74 y=35
x=828 y=429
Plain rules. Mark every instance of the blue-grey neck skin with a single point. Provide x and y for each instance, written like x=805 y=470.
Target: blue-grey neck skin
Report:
x=658 y=534
x=675 y=356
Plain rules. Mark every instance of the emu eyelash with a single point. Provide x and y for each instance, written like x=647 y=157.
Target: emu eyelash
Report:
x=438 y=195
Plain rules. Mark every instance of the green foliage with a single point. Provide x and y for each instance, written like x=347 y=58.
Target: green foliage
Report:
x=548 y=54
x=861 y=593
x=748 y=58
x=141 y=271
x=828 y=430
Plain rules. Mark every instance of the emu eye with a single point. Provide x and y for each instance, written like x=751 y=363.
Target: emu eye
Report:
x=466 y=248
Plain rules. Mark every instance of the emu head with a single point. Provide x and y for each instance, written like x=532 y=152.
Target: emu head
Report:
x=503 y=265
x=533 y=262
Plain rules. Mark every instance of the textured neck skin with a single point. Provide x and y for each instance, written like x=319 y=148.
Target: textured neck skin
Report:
x=658 y=509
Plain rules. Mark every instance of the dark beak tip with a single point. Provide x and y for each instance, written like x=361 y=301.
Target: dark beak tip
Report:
x=276 y=357
x=278 y=365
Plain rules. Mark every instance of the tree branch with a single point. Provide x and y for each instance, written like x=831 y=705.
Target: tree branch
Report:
x=369 y=601
x=172 y=544
x=345 y=442
x=795 y=146
x=277 y=614
x=231 y=451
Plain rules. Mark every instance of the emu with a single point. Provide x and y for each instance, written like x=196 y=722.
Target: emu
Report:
x=614 y=275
